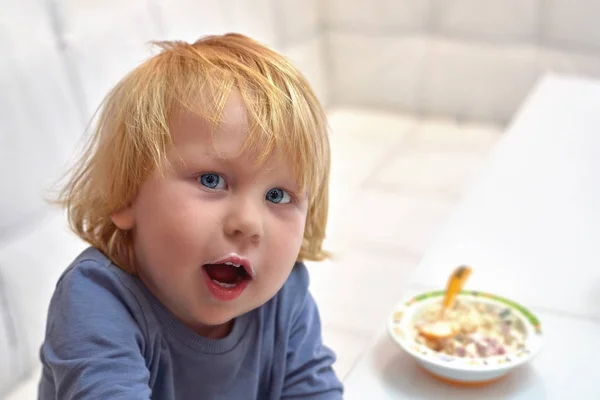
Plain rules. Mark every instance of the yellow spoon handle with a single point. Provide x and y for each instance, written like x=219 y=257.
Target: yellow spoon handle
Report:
x=455 y=284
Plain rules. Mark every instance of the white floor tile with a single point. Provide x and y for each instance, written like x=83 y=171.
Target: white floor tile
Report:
x=448 y=135
x=394 y=181
x=361 y=141
x=347 y=345
x=395 y=220
x=376 y=124
x=357 y=289
x=438 y=156
x=440 y=172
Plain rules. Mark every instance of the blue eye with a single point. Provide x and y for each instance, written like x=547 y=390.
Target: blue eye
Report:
x=212 y=181
x=278 y=196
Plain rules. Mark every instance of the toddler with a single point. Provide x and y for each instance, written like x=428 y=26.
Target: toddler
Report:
x=203 y=188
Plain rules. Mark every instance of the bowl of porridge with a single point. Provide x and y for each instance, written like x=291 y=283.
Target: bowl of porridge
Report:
x=494 y=336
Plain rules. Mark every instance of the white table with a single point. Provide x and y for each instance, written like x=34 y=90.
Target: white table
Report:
x=530 y=228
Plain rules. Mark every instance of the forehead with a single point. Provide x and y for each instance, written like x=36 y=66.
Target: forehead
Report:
x=192 y=129
x=195 y=136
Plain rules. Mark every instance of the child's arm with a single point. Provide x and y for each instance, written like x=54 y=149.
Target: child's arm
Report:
x=309 y=373
x=94 y=340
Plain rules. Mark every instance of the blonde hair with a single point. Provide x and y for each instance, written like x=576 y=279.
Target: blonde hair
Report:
x=132 y=133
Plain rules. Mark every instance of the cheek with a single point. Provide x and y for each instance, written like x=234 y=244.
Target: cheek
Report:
x=170 y=222
x=299 y=232
x=288 y=235
x=281 y=252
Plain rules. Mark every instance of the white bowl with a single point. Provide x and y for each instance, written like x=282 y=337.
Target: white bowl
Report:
x=462 y=370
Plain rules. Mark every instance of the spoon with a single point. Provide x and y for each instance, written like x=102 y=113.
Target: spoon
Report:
x=443 y=328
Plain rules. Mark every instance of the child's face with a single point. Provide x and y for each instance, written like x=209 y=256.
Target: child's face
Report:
x=214 y=203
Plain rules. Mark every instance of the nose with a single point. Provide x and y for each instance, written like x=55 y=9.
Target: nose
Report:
x=244 y=220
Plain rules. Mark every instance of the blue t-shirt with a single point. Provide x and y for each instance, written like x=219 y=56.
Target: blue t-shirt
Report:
x=108 y=337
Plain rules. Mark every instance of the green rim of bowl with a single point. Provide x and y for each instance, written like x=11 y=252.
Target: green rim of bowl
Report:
x=531 y=318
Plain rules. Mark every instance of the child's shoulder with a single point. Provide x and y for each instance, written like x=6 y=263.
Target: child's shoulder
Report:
x=94 y=297
x=92 y=265
x=92 y=280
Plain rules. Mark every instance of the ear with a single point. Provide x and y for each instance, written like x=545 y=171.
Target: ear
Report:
x=123 y=218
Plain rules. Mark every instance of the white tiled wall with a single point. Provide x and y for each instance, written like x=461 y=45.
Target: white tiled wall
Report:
x=474 y=80
x=390 y=15
x=307 y=55
x=376 y=72
x=506 y=20
x=39 y=112
x=298 y=20
x=100 y=45
x=465 y=59
x=189 y=19
x=29 y=268
x=571 y=24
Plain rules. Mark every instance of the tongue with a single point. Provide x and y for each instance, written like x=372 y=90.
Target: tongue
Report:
x=222 y=273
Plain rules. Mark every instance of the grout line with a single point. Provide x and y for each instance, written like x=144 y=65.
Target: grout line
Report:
x=26 y=224
x=9 y=322
x=424 y=115
x=539 y=31
x=446 y=194
x=324 y=29
x=349 y=241
x=285 y=41
x=410 y=148
x=326 y=66
x=361 y=353
x=365 y=337
x=303 y=38
x=300 y=41
x=379 y=331
x=280 y=38
x=156 y=16
x=388 y=157
x=533 y=41
x=448 y=34
x=349 y=328
x=72 y=74
x=401 y=189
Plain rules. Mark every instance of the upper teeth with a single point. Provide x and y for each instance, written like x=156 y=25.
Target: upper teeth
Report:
x=232 y=264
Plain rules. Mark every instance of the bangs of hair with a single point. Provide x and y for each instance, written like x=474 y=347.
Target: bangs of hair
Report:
x=133 y=133
x=283 y=112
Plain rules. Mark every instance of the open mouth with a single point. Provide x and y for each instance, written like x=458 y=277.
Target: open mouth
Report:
x=227 y=275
